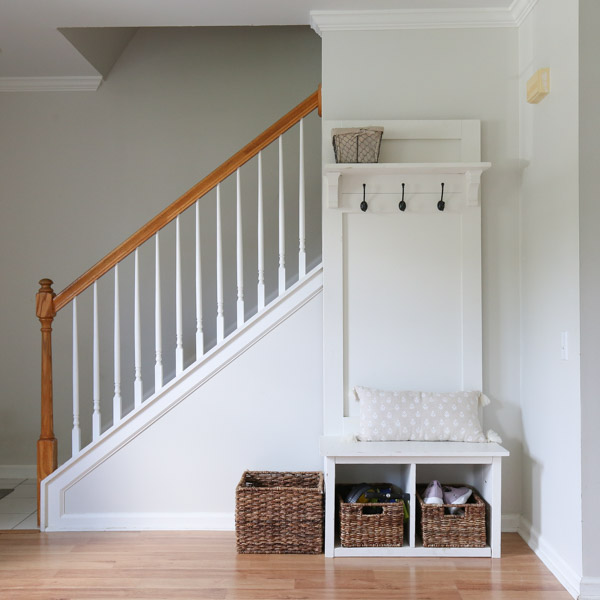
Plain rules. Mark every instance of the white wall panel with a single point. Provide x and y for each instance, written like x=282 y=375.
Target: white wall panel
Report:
x=262 y=412
x=403 y=302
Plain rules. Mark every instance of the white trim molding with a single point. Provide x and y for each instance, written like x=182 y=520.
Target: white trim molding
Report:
x=590 y=588
x=567 y=577
x=520 y=9
x=202 y=521
x=18 y=471
x=424 y=18
x=50 y=84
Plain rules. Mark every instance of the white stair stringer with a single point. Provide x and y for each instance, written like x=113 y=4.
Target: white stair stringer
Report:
x=53 y=490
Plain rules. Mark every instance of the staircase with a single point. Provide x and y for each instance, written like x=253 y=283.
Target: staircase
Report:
x=106 y=459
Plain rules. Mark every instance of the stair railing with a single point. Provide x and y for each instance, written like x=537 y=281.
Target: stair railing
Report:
x=48 y=304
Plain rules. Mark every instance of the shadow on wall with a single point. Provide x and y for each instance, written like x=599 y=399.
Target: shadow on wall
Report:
x=532 y=504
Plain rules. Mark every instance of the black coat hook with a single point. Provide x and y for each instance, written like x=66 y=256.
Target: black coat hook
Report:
x=441 y=204
x=402 y=204
x=363 y=204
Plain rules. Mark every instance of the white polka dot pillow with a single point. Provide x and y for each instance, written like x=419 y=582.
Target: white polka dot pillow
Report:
x=420 y=416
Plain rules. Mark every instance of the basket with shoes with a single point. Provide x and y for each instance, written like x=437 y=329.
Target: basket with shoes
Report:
x=451 y=516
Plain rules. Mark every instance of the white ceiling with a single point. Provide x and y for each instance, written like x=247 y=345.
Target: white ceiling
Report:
x=32 y=46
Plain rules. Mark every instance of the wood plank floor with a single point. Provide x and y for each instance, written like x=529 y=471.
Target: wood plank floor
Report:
x=150 y=565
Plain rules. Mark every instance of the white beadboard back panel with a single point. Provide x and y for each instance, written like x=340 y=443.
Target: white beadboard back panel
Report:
x=403 y=294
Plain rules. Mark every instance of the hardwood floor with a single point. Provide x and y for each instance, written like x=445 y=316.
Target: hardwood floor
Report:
x=205 y=565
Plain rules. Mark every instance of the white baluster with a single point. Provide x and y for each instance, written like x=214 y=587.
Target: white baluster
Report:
x=220 y=317
x=178 y=302
x=199 y=328
x=281 y=222
x=117 y=353
x=261 y=239
x=137 y=335
x=240 y=253
x=76 y=433
x=96 y=369
x=158 y=364
x=301 y=209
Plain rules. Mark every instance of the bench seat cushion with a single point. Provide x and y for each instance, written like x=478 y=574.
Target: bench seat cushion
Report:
x=419 y=416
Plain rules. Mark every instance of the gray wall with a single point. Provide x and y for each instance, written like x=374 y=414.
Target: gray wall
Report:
x=80 y=172
x=589 y=219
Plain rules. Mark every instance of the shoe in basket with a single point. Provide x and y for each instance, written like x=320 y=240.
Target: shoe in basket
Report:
x=456 y=495
x=433 y=493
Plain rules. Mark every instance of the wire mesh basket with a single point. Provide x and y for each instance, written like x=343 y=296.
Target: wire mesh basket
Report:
x=357 y=144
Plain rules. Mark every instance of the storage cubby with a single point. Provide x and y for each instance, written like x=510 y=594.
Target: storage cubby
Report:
x=347 y=475
x=474 y=475
x=396 y=474
x=409 y=464
x=477 y=476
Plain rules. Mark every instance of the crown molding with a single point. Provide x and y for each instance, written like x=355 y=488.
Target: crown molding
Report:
x=520 y=9
x=426 y=18
x=50 y=84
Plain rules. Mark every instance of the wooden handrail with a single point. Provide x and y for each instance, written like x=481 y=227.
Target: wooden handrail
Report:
x=186 y=200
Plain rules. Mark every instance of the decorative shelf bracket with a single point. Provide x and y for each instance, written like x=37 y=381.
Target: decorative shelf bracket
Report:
x=472 y=187
x=333 y=191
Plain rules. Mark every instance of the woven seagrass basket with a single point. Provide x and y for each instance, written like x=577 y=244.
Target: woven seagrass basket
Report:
x=279 y=512
x=442 y=530
x=357 y=144
x=371 y=524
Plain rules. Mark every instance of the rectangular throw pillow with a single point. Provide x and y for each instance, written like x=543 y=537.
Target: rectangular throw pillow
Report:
x=419 y=416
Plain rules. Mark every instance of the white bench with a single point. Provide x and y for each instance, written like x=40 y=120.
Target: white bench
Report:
x=478 y=465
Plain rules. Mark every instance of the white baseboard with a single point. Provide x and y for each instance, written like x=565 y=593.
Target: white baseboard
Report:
x=510 y=523
x=177 y=521
x=590 y=588
x=145 y=522
x=18 y=471
x=548 y=555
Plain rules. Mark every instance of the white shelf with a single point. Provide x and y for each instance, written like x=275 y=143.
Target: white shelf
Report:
x=457 y=168
x=418 y=551
x=342 y=447
x=463 y=178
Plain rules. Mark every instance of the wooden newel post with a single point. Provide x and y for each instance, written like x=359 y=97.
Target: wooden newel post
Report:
x=47 y=445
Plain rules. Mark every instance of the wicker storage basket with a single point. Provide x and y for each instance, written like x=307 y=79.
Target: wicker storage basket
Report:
x=357 y=144
x=360 y=528
x=441 y=530
x=279 y=513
